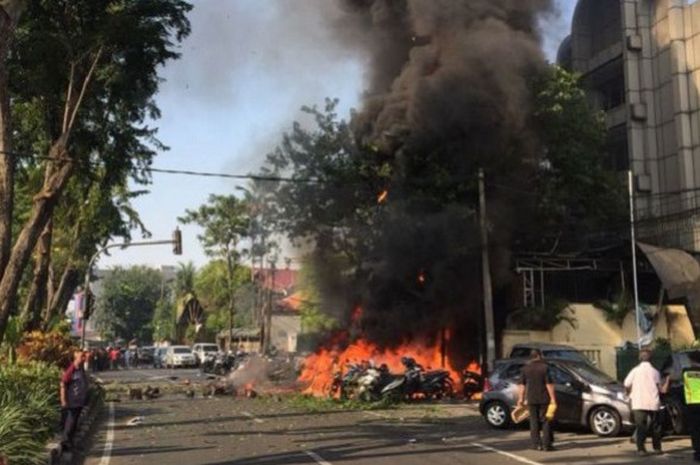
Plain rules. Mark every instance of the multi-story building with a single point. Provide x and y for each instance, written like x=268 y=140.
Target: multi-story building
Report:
x=640 y=61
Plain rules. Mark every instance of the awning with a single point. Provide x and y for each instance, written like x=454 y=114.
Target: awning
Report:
x=678 y=271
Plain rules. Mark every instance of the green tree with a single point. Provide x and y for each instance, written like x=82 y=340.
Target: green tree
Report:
x=225 y=222
x=89 y=69
x=212 y=290
x=163 y=322
x=127 y=302
x=577 y=193
x=185 y=279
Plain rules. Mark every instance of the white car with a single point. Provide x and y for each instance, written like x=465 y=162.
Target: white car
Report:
x=202 y=349
x=179 y=356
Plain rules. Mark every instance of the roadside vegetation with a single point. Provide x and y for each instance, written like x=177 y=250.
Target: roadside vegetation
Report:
x=29 y=411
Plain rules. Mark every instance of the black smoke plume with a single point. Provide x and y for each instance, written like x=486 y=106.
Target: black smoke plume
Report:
x=448 y=93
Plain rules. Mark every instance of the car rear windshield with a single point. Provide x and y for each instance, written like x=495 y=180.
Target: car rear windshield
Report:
x=181 y=350
x=591 y=374
x=210 y=348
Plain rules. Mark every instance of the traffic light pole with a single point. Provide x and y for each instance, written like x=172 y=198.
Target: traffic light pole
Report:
x=176 y=242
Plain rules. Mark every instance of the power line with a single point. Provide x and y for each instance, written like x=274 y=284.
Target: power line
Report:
x=253 y=177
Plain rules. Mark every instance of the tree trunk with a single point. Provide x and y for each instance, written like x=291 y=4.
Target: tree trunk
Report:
x=42 y=209
x=38 y=297
x=7 y=165
x=58 y=304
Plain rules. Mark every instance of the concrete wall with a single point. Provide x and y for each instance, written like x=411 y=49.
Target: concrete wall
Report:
x=598 y=338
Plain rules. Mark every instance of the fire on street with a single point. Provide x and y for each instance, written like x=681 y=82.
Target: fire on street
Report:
x=275 y=430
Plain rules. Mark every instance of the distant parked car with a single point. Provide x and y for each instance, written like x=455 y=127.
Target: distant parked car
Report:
x=585 y=396
x=551 y=351
x=200 y=350
x=179 y=356
x=145 y=355
x=674 y=399
x=159 y=357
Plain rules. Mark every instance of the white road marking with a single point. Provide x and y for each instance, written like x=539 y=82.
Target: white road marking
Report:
x=517 y=458
x=252 y=417
x=109 y=441
x=319 y=460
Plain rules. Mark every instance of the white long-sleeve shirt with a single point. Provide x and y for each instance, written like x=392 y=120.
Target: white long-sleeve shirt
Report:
x=644 y=381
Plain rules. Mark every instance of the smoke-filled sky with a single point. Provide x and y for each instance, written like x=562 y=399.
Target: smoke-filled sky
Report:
x=245 y=71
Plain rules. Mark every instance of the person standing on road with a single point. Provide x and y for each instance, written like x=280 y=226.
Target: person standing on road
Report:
x=691 y=397
x=644 y=386
x=74 y=391
x=536 y=389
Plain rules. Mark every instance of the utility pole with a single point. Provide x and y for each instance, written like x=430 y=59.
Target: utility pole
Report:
x=486 y=278
x=633 y=237
x=270 y=302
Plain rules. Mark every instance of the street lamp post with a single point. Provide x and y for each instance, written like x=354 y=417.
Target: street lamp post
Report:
x=176 y=241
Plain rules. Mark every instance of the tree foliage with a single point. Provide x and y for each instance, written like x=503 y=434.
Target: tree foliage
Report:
x=128 y=301
x=578 y=194
x=212 y=288
x=82 y=75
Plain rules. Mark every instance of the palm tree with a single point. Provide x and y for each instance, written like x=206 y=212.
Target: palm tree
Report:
x=184 y=279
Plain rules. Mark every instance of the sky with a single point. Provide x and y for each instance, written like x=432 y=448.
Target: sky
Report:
x=245 y=72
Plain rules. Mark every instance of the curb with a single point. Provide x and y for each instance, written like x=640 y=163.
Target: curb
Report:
x=55 y=455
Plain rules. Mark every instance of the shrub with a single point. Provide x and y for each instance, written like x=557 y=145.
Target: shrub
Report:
x=54 y=347
x=29 y=411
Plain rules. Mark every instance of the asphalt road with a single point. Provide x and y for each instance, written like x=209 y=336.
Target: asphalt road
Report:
x=146 y=375
x=278 y=431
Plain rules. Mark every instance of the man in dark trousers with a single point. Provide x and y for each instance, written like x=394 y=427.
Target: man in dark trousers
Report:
x=537 y=389
x=74 y=391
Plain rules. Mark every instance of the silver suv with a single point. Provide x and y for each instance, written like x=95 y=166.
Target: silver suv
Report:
x=585 y=396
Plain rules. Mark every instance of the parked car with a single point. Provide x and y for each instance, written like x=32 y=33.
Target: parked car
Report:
x=553 y=351
x=145 y=355
x=201 y=349
x=179 y=356
x=159 y=357
x=585 y=396
x=675 y=405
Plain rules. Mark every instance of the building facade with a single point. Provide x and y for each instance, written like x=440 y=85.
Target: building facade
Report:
x=640 y=62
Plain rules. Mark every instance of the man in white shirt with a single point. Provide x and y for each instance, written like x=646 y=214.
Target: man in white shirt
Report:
x=644 y=386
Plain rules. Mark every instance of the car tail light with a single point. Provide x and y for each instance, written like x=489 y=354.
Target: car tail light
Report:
x=487 y=385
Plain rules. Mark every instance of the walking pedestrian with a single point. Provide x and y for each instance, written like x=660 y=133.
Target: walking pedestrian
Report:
x=644 y=386
x=74 y=391
x=536 y=390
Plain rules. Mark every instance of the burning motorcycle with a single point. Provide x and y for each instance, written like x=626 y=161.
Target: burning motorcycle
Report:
x=219 y=364
x=343 y=386
x=417 y=383
x=371 y=383
x=473 y=383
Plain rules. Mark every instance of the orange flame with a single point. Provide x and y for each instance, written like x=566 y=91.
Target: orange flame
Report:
x=382 y=197
x=321 y=367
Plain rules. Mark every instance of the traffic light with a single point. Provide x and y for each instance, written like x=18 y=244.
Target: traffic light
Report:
x=89 y=304
x=177 y=242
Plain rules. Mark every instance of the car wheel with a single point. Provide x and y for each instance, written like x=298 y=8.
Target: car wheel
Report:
x=605 y=422
x=497 y=414
x=675 y=413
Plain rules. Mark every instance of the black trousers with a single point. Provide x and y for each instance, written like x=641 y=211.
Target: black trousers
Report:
x=647 y=423
x=70 y=423
x=693 y=422
x=540 y=424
